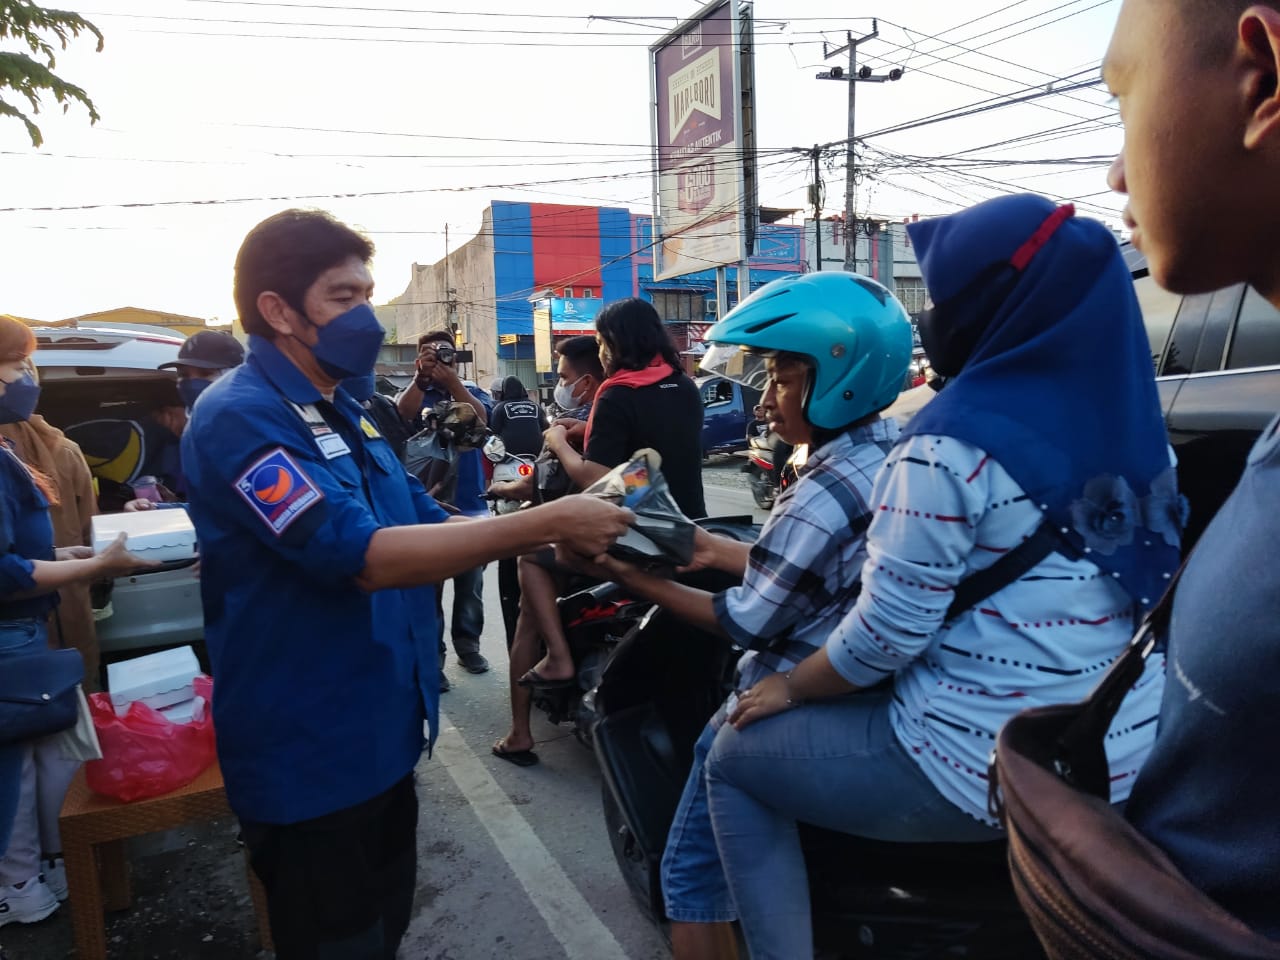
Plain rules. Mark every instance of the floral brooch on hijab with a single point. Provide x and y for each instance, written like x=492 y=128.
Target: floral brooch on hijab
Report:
x=1109 y=512
x=1105 y=517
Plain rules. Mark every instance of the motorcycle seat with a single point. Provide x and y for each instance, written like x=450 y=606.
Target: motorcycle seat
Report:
x=906 y=863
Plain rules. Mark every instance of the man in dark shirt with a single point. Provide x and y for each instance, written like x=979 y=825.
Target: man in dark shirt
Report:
x=518 y=420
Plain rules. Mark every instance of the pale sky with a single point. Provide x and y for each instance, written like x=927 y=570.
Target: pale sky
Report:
x=402 y=121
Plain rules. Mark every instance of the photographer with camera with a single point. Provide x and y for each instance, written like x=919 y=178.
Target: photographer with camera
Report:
x=437 y=379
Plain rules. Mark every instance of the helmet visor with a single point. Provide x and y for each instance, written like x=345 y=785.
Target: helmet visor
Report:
x=738 y=363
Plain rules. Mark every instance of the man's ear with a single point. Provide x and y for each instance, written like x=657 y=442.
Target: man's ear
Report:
x=277 y=313
x=1258 y=48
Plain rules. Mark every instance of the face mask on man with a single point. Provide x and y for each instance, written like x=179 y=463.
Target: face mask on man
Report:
x=189 y=390
x=347 y=346
x=19 y=400
x=564 y=397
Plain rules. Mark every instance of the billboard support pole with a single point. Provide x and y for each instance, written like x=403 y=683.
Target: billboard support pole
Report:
x=722 y=292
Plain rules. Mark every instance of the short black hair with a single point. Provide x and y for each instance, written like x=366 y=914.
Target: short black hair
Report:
x=583 y=355
x=439 y=335
x=634 y=334
x=285 y=254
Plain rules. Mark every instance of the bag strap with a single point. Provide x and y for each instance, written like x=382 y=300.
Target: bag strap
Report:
x=1100 y=707
x=1010 y=568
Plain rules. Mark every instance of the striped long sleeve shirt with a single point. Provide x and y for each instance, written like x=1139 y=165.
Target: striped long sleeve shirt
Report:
x=942 y=510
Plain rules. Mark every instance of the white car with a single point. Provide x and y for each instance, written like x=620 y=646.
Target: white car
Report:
x=100 y=386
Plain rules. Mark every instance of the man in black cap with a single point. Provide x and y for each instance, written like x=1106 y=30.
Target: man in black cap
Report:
x=202 y=359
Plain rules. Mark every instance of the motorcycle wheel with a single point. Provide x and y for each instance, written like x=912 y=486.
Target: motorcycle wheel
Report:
x=763 y=493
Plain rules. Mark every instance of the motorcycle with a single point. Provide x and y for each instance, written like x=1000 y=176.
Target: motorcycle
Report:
x=507 y=468
x=769 y=466
x=870 y=899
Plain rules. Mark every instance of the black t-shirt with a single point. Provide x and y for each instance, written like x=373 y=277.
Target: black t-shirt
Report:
x=520 y=424
x=666 y=416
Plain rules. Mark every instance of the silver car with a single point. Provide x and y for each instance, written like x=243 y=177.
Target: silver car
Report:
x=102 y=386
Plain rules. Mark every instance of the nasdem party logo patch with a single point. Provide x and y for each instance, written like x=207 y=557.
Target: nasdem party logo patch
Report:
x=277 y=490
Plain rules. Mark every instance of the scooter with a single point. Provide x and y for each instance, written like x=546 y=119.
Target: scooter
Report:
x=870 y=899
x=507 y=468
x=595 y=620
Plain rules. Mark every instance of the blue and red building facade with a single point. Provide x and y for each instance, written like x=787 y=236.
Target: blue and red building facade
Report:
x=580 y=258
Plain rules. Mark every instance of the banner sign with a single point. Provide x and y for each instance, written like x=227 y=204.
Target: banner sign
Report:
x=695 y=80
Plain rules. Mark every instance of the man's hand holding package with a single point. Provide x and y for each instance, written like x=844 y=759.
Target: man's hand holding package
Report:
x=588 y=526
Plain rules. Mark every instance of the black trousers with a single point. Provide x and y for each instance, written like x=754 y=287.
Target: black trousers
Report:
x=509 y=595
x=340 y=887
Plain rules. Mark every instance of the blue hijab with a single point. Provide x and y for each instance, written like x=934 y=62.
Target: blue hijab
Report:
x=1058 y=387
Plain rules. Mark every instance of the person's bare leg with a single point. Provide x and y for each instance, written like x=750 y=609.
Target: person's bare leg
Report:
x=539 y=586
x=524 y=653
x=703 y=941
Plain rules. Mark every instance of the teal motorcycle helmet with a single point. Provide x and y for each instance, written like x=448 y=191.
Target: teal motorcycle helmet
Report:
x=853 y=332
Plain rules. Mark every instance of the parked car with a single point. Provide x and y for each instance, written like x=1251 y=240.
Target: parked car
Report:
x=1217 y=363
x=100 y=386
x=726 y=411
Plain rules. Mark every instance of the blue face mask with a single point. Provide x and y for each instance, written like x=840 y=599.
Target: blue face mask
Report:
x=19 y=400
x=188 y=390
x=347 y=346
x=361 y=388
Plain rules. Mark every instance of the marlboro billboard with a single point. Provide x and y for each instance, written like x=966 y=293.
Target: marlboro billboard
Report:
x=696 y=81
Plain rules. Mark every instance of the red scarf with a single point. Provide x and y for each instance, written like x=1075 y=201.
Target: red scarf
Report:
x=657 y=371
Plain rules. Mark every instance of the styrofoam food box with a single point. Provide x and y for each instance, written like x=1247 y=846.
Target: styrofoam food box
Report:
x=158 y=679
x=161 y=535
x=186 y=711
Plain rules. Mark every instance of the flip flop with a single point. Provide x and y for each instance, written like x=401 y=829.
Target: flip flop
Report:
x=534 y=679
x=521 y=758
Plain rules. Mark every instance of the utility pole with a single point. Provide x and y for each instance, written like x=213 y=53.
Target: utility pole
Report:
x=853 y=78
x=815 y=198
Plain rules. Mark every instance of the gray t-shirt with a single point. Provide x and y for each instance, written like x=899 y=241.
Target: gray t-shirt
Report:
x=1207 y=794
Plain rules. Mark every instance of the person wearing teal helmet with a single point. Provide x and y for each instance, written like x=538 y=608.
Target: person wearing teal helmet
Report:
x=829 y=351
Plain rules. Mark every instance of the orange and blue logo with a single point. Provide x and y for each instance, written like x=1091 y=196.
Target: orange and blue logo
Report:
x=278 y=490
x=271 y=484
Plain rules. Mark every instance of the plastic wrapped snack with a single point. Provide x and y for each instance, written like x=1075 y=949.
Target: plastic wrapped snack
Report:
x=661 y=535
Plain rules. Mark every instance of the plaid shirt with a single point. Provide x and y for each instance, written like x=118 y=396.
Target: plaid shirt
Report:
x=802 y=574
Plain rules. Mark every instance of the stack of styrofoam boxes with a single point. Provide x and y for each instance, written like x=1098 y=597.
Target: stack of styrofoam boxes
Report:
x=161 y=680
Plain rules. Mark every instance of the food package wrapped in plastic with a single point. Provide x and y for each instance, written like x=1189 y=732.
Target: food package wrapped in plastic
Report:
x=144 y=754
x=660 y=536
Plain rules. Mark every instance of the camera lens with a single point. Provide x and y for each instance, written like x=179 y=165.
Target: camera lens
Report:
x=444 y=354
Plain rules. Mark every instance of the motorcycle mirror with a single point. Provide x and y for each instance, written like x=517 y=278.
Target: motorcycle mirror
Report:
x=494 y=449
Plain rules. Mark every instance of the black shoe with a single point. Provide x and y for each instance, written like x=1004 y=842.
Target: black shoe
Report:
x=473 y=662
x=445 y=685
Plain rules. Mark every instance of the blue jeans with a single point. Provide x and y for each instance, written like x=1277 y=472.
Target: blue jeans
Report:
x=693 y=882
x=467 y=622
x=835 y=764
x=16 y=636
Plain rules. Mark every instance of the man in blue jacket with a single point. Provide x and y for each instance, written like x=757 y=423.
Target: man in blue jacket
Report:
x=318 y=553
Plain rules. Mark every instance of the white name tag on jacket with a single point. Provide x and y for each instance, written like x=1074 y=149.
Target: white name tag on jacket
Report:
x=327 y=439
x=332 y=445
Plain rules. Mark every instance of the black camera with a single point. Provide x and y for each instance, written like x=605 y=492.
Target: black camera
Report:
x=445 y=354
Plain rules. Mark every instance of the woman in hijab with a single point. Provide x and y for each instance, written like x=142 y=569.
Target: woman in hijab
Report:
x=1048 y=433
x=32 y=572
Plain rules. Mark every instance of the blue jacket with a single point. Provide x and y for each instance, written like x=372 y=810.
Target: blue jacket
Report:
x=26 y=534
x=320 y=689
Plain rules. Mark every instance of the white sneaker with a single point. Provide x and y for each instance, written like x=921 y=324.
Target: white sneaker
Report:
x=55 y=875
x=30 y=903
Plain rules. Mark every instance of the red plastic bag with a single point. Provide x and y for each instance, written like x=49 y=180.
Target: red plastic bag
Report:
x=143 y=753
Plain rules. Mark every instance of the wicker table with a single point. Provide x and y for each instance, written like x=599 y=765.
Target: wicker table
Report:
x=94 y=829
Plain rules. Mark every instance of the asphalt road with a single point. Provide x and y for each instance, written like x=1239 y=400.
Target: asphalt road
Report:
x=513 y=862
